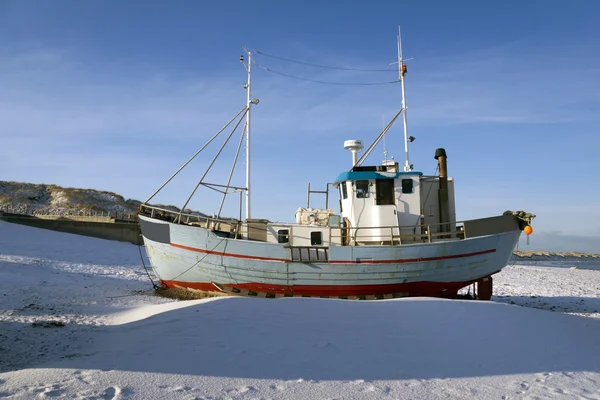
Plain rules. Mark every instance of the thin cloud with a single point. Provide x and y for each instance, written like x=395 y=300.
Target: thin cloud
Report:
x=53 y=107
x=60 y=98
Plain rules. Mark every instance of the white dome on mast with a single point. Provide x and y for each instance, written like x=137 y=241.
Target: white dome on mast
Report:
x=354 y=146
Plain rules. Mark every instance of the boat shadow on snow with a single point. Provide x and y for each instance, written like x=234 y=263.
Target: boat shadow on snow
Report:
x=321 y=339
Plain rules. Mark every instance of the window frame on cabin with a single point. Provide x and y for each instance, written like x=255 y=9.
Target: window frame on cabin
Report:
x=385 y=191
x=314 y=241
x=404 y=188
x=283 y=236
x=362 y=192
x=344 y=190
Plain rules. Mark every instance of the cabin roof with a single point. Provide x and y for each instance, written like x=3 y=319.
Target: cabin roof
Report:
x=361 y=175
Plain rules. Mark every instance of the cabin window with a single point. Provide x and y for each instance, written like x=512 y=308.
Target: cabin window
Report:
x=407 y=185
x=316 y=238
x=384 y=189
x=344 y=190
x=362 y=189
x=283 y=236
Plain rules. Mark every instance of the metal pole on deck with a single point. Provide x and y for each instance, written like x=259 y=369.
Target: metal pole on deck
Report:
x=401 y=71
x=248 y=103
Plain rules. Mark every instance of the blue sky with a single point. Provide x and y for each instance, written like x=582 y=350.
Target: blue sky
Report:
x=117 y=95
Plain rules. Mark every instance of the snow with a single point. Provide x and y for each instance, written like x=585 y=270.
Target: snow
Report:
x=568 y=290
x=119 y=341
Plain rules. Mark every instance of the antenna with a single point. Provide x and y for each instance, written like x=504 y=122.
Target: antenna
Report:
x=401 y=72
x=385 y=153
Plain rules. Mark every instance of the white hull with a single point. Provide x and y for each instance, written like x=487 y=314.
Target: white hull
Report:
x=194 y=257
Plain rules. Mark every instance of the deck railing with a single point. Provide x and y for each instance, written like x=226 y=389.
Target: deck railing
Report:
x=392 y=235
x=429 y=234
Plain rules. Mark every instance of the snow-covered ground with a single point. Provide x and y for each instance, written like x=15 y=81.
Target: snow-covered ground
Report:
x=78 y=320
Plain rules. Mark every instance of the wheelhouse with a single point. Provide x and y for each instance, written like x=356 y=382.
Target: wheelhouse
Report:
x=381 y=202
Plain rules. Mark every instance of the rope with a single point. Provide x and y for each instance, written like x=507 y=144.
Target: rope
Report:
x=323 y=66
x=522 y=215
x=154 y=285
x=326 y=82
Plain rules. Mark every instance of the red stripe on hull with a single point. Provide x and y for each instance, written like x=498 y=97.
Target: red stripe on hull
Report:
x=220 y=253
x=400 y=261
x=430 y=289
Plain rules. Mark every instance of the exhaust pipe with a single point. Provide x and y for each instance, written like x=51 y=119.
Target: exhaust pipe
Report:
x=443 y=197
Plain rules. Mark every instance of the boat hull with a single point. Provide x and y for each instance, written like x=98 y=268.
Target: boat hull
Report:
x=197 y=258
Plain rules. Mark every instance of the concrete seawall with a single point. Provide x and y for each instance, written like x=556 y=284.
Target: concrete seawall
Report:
x=90 y=218
x=120 y=231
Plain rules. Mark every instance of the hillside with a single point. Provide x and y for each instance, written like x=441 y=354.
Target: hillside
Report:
x=33 y=198
x=43 y=199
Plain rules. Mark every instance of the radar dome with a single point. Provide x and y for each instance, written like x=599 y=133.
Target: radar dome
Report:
x=354 y=145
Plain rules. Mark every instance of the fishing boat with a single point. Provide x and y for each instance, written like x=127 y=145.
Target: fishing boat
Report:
x=396 y=233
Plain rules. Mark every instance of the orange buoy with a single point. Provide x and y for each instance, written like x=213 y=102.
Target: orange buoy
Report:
x=528 y=230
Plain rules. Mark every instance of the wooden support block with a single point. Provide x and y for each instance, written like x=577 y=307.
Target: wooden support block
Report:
x=484 y=288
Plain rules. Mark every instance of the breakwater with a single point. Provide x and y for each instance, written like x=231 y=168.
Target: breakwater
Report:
x=103 y=229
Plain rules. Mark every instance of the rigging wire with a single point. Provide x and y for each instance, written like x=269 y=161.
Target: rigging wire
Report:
x=323 y=66
x=237 y=153
x=324 y=82
x=435 y=173
x=212 y=188
x=154 y=285
x=243 y=110
x=374 y=144
x=213 y=162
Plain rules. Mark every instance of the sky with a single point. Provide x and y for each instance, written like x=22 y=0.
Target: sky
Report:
x=118 y=95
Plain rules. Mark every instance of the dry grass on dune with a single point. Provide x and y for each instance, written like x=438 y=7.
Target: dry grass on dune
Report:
x=184 y=294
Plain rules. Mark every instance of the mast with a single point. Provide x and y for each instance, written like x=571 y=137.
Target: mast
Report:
x=249 y=103
x=401 y=71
